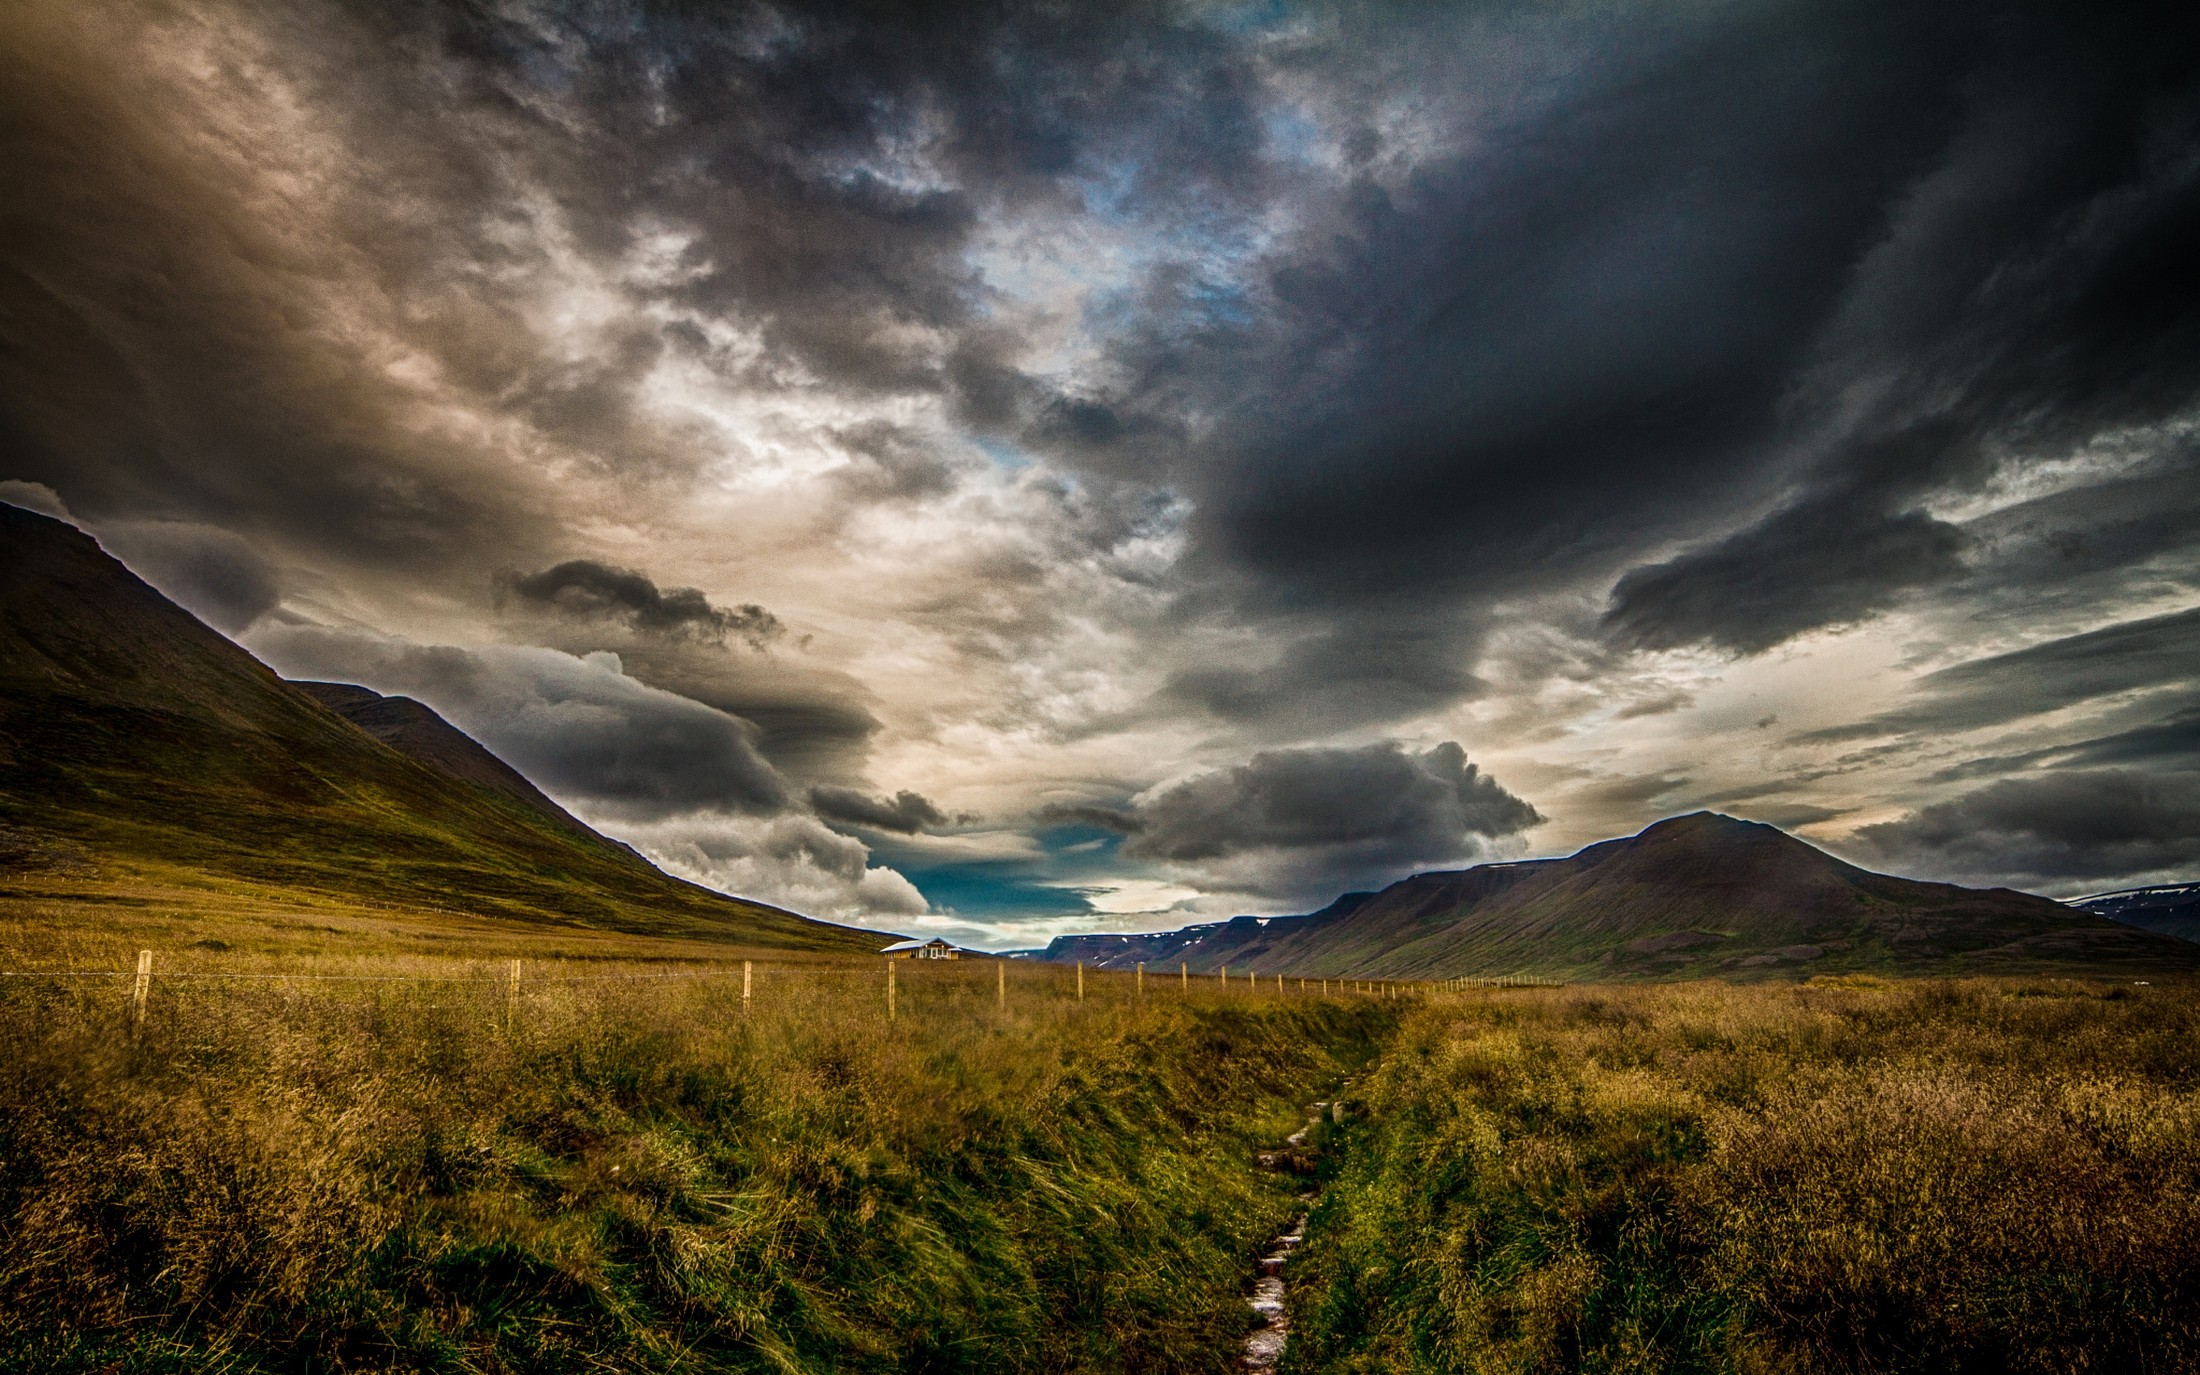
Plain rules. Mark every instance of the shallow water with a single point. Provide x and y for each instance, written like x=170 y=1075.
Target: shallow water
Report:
x=1264 y=1348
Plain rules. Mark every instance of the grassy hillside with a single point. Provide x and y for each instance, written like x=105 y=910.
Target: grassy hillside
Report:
x=415 y=731
x=640 y=1177
x=141 y=752
x=1984 y=1176
x=1691 y=897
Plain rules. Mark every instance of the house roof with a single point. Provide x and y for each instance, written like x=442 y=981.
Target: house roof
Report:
x=911 y=945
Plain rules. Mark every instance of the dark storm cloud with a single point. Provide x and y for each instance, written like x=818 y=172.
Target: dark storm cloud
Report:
x=169 y=334
x=1625 y=290
x=1407 y=318
x=2034 y=294
x=1120 y=820
x=208 y=571
x=2082 y=825
x=1567 y=339
x=905 y=813
x=2172 y=742
x=2151 y=653
x=583 y=587
x=1377 y=668
x=1375 y=799
x=577 y=726
x=1808 y=568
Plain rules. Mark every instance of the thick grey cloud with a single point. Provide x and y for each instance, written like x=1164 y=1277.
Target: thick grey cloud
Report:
x=1295 y=827
x=207 y=570
x=796 y=858
x=2056 y=829
x=580 y=728
x=1298 y=826
x=1808 y=568
x=1246 y=377
x=2151 y=653
x=1632 y=278
x=1377 y=798
x=905 y=813
x=2030 y=297
x=584 y=587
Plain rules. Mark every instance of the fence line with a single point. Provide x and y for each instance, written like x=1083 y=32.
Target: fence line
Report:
x=145 y=973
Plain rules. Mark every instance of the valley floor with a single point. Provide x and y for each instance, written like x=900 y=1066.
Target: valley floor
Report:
x=352 y=1165
x=1850 y=1176
x=394 y=1162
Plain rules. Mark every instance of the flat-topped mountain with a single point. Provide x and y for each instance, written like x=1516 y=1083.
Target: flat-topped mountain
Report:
x=2173 y=909
x=1693 y=896
x=138 y=744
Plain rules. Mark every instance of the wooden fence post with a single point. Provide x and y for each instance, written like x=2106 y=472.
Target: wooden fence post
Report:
x=511 y=1001
x=889 y=988
x=1080 y=981
x=1141 y=981
x=1224 y=974
x=1184 y=972
x=746 y=971
x=144 y=986
x=1000 y=984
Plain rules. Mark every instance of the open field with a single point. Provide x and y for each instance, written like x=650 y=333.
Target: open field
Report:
x=338 y=1142
x=353 y=1172
x=1838 y=1176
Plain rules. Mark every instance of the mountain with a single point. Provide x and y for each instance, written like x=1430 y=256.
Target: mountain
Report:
x=1690 y=897
x=2171 y=909
x=142 y=749
x=414 y=730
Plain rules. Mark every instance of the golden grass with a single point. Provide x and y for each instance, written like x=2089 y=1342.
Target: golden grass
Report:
x=1847 y=1176
x=345 y=1174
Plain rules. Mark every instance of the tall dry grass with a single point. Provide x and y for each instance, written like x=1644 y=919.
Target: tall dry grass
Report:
x=379 y=1176
x=1978 y=1176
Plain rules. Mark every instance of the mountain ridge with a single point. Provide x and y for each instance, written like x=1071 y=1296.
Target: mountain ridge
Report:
x=2172 y=909
x=1700 y=895
x=136 y=741
x=416 y=730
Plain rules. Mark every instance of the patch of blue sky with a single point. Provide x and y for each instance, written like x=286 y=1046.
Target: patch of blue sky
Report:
x=1197 y=303
x=1214 y=302
x=1252 y=17
x=1006 y=456
x=1109 y=190
x=1296 y=136
x=982 y=891
x=1078 y=840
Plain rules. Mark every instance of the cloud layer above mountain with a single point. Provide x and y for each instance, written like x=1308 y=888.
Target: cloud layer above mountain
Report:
x=1225 y=418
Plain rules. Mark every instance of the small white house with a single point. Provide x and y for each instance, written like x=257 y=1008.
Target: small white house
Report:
x=933 y=949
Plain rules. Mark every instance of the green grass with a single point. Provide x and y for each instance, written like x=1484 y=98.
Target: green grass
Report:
x=95 y=794
x=639 y=1177
x=1849 y=1176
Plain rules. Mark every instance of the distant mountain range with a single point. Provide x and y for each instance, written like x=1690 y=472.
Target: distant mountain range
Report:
x=2172 y=909
x=141 y=750
x=1690 y=897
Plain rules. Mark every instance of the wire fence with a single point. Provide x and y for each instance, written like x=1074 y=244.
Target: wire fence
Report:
x=1068 y=980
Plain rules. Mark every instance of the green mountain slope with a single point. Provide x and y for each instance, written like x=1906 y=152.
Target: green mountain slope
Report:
x=134 y=737
x=414 y=730
x=1690 y=897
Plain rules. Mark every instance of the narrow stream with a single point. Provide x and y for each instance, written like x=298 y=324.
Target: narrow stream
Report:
x=1264 y=1348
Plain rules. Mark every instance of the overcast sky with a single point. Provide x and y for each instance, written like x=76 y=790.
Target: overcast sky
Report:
x=1083 y=467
